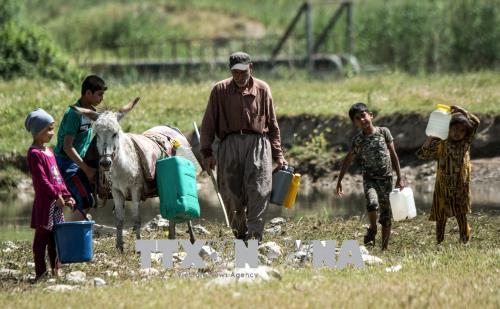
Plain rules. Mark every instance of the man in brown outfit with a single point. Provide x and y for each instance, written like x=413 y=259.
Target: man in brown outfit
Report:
x=240 y=113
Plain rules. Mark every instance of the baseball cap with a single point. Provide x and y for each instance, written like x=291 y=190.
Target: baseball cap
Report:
x=239 y=61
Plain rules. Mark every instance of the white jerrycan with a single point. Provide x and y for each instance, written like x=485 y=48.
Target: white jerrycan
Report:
x=402 y=204
x=439 y=122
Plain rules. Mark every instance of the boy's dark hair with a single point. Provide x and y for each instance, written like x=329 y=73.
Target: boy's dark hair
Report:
x=459 y=118
x=93 y=83
x=357 y=108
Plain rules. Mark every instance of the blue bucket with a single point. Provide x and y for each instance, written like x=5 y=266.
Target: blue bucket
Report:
x=74 y=241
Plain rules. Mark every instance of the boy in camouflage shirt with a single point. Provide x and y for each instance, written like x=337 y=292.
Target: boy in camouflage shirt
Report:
x=375 y=148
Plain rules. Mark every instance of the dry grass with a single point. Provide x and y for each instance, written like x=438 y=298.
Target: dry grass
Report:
x=451 y=275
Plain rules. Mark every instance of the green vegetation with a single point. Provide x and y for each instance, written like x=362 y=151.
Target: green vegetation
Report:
x=27 y=52
x=450 y=275
x=179 y=103
x=16 y=233
x=414 y=36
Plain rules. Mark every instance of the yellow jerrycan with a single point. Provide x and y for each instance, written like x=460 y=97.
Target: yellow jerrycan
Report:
x=292 y=192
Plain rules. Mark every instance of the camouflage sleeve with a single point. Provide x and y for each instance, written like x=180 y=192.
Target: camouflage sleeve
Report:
x=387 y=135
x=355 y=145
x=430 y=152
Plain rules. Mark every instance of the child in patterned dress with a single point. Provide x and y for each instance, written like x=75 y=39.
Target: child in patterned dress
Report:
x=452 y=195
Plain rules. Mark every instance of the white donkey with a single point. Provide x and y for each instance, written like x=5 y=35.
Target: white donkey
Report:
x=118 y=155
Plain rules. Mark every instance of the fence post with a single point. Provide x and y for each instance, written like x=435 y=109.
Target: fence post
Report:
x=309 y=35
x=285 y=36
x=350 y=42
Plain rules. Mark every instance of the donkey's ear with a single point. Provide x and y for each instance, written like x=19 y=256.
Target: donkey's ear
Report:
x=93 y=115
x=127 y=108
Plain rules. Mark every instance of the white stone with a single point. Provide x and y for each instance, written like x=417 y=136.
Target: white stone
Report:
x=207 y=251
x=76 y=277
x=60 y=288
x=9 y=273
x=277 y=221
x=271 y=249
x=363 y=250
x=99 y=282
x=147 y=272
x=156 y=257
x=11 y=245
x=371 y=259
x=200 y=230
x=275 y=230
x=298 y=257
x=110 y=273
x=158 y=222
x=178 y=257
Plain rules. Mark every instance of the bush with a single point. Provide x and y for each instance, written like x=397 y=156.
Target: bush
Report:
x=25 y=52
x=28 y=53
x=429 y=35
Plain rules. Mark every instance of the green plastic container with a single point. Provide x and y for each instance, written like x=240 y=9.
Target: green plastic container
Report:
x=176 y=181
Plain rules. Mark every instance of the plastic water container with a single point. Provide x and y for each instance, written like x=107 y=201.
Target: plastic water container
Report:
x=281 y=183
x=74 y=241
x=402 y=204
x=186 y=153
x=292 y=192
x=176 y=181
x=439 y=122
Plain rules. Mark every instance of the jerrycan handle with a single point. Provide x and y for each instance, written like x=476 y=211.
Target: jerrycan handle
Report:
x=285 y=168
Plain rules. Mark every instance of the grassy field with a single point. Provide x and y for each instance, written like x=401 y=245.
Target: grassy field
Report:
x=449 y=275
x=180 y=102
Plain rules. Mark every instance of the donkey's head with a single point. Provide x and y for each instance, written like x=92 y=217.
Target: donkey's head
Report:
x=107 y=131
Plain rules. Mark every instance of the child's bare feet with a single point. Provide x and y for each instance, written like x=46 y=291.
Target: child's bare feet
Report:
x=56 y=272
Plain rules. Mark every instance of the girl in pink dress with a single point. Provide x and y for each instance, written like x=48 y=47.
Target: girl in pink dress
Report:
x=51 y=194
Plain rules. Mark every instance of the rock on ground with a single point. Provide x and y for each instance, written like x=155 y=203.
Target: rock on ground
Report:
x=207 y=251
x=99 y=282
x=200 y=230
x=60 y=288
x=275 y=230
x=76 y=277
x=371 y=259
x=148 y=272
x=277 y=221
x=6 y=273
x=271 y=250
